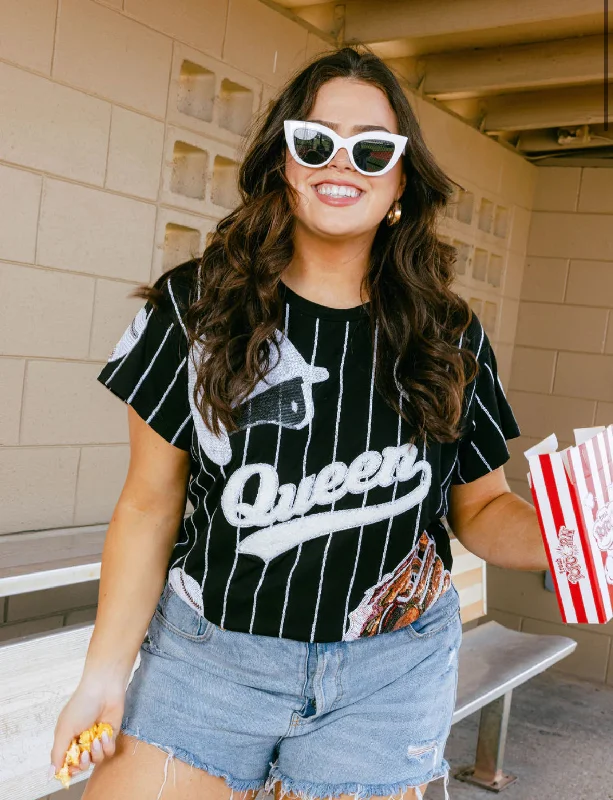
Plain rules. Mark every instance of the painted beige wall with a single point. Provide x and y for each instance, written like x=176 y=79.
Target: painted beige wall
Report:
x=562 y=373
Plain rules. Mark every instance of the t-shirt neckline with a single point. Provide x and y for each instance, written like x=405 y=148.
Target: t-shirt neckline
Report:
x=316 y=310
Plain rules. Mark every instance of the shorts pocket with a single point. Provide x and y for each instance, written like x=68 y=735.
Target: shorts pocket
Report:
x=444 y=612
x=177 y=617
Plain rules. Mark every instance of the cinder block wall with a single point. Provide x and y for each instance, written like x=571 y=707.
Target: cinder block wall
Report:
x=562 y=375
x=121 y=123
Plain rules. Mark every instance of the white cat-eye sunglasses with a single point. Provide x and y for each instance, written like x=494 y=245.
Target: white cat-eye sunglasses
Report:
x=370 y=152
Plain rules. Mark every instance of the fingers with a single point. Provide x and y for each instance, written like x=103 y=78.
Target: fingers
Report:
x=108 y=744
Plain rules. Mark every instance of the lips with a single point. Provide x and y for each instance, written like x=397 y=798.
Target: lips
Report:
x=346 y=193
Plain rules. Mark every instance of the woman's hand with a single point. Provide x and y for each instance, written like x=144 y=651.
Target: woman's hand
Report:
x=95 y=700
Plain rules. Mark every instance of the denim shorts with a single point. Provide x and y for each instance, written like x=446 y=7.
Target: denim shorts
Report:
x=368 y=717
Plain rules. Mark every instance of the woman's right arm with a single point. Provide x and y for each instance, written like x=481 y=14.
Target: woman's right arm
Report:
x=135 y=558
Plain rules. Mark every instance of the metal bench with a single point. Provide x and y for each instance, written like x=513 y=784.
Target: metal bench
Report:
x=38 y=674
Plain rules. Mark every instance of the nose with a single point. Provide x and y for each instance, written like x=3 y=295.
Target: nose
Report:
x=341 y=160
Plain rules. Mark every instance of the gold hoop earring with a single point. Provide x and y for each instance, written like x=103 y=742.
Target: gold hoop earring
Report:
x=394 y=214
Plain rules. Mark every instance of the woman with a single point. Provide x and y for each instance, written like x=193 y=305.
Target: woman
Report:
x=330 y=400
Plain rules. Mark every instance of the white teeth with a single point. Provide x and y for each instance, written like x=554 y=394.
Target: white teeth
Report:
x=333 y=190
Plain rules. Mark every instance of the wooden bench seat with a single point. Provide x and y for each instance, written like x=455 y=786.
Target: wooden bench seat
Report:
x=38 y=675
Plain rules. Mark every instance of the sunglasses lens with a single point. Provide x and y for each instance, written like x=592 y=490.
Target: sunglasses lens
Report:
x=312 y=147
x=373 y=155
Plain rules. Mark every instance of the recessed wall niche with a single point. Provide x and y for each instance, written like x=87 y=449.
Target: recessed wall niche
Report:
x=189 y=170
x=196 y=95
x=501 y=221
x=180 y=244
x=224 y=190
x=494 y=270
x=463 y=254
x=486 y=215
x=466 y=202
x=235 y=107
x=480 y=264
x=490 y=318
x=476 y=304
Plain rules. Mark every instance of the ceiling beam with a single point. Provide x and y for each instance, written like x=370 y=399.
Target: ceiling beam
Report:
x=575 y=105
x=368 y=21
x=474 y=73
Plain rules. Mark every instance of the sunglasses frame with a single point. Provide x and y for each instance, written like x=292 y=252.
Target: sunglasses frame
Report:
x=399 y=142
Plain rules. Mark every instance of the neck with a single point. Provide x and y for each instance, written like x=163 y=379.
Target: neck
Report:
x=329 y=272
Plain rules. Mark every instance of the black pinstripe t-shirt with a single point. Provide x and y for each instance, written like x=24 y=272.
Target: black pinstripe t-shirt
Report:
x=317 y=520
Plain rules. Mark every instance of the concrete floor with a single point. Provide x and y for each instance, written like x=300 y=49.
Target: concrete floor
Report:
x=560 y=744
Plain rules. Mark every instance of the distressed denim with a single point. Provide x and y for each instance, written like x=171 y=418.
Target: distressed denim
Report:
x=368 y=717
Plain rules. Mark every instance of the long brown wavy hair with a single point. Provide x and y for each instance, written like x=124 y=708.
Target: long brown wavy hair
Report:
x=235 y=305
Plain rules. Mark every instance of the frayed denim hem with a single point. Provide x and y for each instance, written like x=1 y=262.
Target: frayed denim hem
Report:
x=306 y=790
x=234 y=784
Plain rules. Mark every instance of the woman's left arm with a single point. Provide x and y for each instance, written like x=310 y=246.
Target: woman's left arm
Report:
x=497 y=525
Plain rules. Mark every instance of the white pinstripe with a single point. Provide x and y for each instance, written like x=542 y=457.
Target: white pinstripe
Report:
x=372 y=391
x=265 y=567
x=151 y=363
x=304 y=461
x=238 y=539
x=166 y=393
x=395 y=489
x=334 y=448
x=178 y=433
x=474 y=446
x=491 y=419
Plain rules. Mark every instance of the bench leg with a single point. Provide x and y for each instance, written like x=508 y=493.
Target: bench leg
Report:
x=487 y=771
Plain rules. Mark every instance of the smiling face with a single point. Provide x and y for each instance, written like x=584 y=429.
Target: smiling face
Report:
x=348 y=107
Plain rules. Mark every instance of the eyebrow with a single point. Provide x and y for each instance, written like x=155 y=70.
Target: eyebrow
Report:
x=356 y=128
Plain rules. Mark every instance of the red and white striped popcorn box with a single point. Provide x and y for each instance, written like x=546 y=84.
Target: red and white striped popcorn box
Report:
x=573 y=497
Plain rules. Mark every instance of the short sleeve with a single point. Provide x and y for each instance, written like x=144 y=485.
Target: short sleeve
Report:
x=147 y=369
x=489 y=420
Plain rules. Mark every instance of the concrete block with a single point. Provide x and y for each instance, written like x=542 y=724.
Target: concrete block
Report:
x=596 y=193
x=96 y=500
x=562 y=235
x=51 y=127
x=60 y=327
x=113 y=311
x=30 y=628
x=545 y=279
x=540 y=414
x=587 y=376
x=179 y=236
x=135 y=154
x=562 y=327
x=81 y=617
x=52 y=601
x=64 y=404
x=108 y=54
x=19 y=206
x=48 y=474
x=532 y=370
x=96 y=232
x=557 y=188
x=590 y=283
x=210 y=97
x=604 y=414
x=520 y=230
x=199 y=175
x=262 y=42
x=518 y=180
x=28 y=29
x=201 y=23
x=11 y=381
